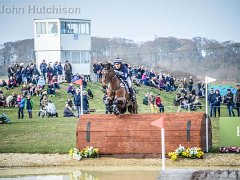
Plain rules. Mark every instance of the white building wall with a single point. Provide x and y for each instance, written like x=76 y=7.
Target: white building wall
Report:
x=47 y=42
x=50 y=46
x=82 y=42
x=49 y=56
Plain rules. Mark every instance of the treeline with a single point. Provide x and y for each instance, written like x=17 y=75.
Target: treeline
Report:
x=198 y=56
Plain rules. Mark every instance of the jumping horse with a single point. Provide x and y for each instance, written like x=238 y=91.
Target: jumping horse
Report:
x=118 y=96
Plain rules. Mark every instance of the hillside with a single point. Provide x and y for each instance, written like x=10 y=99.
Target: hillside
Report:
x=198 y=56
x=57 y=135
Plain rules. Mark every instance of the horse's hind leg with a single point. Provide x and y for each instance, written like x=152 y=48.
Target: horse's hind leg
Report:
x=130 y=109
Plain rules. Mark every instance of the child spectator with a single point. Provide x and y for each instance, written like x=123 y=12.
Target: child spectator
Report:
x=24 y=90
x=151 y=102
x=68 y=111
x=29 y=104
x=159 y=103
x=21 y=107
x=51 y=90
x=55 y=82
x=71 y=89
x=41 y=83
x=70 y=103
x=145 y=99
x=3 y=83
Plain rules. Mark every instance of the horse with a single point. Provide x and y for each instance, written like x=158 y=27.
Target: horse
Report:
x=117 y=94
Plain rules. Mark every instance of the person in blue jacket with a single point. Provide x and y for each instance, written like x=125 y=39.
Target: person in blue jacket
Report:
x=216 y=100
x=21 y=107
x=123 y=73
x=43 y=68
x=59 y=72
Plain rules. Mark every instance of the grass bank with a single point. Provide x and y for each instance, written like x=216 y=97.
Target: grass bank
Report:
x=58 y=135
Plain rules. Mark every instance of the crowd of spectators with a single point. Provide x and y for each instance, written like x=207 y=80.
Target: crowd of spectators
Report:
x=44 y=84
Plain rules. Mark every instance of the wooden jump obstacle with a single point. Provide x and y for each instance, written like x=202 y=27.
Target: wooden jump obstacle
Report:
x=133 y=134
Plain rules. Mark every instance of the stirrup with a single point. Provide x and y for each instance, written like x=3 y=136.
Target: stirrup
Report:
x=134 y=98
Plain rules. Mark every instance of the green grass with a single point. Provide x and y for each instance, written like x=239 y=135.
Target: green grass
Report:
x=58 y=135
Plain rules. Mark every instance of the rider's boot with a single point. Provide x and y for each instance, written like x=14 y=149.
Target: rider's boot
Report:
x=132 y=94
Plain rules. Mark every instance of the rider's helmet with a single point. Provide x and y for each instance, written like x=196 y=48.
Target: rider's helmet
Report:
x=117 y=63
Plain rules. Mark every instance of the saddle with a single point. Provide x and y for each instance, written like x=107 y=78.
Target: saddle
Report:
x=124 y=84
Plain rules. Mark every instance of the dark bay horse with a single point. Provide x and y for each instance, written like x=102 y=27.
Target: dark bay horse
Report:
x=118 y=96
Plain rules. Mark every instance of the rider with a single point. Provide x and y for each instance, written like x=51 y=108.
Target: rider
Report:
x=122 y=72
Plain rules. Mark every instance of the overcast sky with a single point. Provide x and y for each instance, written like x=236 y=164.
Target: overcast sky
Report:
x=139 y=20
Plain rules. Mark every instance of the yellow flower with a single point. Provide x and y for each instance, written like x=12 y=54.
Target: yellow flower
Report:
x=70 y=152
x=174 y=157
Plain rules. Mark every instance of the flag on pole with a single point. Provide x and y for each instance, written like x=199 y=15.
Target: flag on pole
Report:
x=159 y=122
x=209 y=79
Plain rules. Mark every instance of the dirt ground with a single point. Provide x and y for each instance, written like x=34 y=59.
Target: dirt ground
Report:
x=9 y=160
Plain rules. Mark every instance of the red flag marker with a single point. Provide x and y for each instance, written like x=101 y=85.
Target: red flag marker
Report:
x=159 y=122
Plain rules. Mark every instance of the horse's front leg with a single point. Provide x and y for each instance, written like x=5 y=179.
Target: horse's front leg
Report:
x=115 y=108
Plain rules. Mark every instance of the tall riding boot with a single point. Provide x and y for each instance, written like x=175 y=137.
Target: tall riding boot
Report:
x=132 y=94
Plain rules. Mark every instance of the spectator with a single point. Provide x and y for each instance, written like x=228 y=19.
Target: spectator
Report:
x=71 y=89
x=29 y=104
x=178 y=100
x=18 y=76
x=190 y=84
x=68 y=71
x=68 y=111
x=43 y=68
x=55 y=69
x=85 y=103
x=31 y=89
x=210 y=101
x=10 y=71
x=70 y=103
x=145 y=99
x=95 y=71
x=21 y=107
x=237 y=99
x=41 y=83
x=216 y=102
x=50 y=73
x=77 y=101
x=159 y=103
x=24 y=90
x=51 y=109
x=34 y=80
x=230 y=103
x=2 y=100
x=59 y=72
x=99 y=72
x=196 y=103
x=54 y=82
x=3 y=83
x=151 y=102
x=11 y=83
x=51 y=90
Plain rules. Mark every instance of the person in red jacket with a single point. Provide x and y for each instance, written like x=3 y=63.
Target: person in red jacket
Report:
x=11 y=83
x=159 y=103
